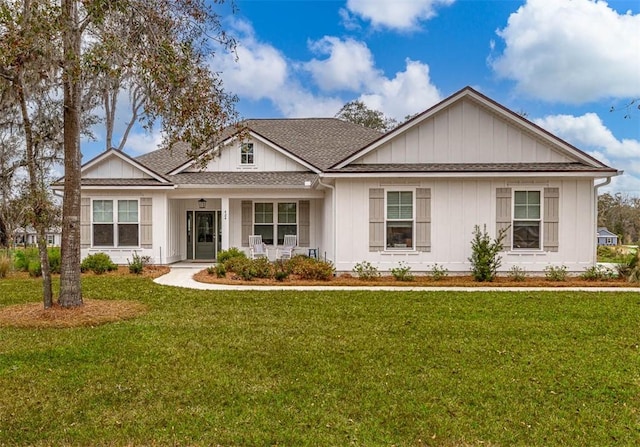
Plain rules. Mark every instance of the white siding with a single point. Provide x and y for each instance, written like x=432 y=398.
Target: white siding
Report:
x=464 y=133
x=114 y=167
x=456 y=206
x=266 y=159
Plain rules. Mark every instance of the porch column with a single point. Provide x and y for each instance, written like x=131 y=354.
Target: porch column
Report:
x=226 y=214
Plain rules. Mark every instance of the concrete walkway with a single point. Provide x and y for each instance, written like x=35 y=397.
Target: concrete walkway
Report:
x=182 y=276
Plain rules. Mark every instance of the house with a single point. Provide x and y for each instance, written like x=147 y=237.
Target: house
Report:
x=606 y=237
x=28 y=236
x=411 y=195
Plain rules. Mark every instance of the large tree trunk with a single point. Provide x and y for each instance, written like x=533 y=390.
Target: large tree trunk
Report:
x=70 y=288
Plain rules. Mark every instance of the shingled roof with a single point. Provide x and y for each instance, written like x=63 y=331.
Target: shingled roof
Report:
x=321 y=142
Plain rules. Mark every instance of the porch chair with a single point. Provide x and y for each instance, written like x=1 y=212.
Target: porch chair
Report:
x=290 y=243
x=257 y=248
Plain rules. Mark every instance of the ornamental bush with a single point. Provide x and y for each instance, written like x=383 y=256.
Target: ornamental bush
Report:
x=485 y=259
x=98 y=263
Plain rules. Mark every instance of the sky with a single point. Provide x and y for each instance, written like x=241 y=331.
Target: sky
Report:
x=563 y=63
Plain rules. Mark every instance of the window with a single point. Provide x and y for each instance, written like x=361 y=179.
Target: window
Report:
x=274 y=226
x=399 y=221
x=526 y=220
x=246 y=154
x=115 y=229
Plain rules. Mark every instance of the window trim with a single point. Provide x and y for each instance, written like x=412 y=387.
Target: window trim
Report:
x=413 y=219
x=115 y=222
x=540 y=220
x=275 y=223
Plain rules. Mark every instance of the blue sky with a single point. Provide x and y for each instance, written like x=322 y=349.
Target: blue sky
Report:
x=562 y=62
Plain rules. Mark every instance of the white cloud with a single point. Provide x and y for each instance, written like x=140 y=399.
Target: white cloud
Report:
x=256 y=71
x=571 y=51
x=350 y=65
x=409 y=92
x=589 y=132
x=397 y=14
x=140 y=143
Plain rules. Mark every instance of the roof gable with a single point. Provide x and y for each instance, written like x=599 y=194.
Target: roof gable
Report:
x=114 y=164
x=468 y=128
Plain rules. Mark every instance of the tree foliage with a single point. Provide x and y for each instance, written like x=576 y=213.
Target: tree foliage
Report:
x=80 y=55
x=358 y=113
x=620 y=214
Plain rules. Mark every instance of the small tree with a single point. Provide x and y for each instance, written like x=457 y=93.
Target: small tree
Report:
x=485 y=259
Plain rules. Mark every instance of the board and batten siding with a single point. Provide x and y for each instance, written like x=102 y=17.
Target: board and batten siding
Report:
x=456 y=206
x=464 y=133
x=265 y=159
x=114 y=167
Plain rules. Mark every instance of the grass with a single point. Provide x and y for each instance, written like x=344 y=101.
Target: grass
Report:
x=296 y=368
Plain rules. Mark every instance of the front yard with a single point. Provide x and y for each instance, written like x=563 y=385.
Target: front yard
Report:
x=326 y=368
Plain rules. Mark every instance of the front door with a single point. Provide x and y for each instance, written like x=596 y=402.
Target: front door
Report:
x=205 y=235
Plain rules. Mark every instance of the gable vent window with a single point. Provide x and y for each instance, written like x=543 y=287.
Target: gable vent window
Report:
x=526 y=220
x=246 y=154
x=115 y=228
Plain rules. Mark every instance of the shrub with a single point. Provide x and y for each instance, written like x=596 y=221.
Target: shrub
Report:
x=23 y=257
x=364 y=270
x=438 y=272
x=35 y=269
x=262 y=268
x=517 y=273
x=310 y=268
x=98 y=263
x=219 y=270
x=55 y=259
x=233 y=252
x=598 y=273
x=553 y=273
x=484 y=259
x=402 y=272
x=5 y=265
x=137 y=265
x=630 y=269
x=234 y=264
x=281 y=275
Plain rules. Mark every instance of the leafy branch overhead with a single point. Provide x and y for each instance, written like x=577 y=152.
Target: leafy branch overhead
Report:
x=358 y=113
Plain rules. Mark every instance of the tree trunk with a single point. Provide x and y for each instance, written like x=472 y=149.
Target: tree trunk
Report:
x=70 y=287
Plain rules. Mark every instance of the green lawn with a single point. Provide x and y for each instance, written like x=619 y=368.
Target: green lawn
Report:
x=327 y=369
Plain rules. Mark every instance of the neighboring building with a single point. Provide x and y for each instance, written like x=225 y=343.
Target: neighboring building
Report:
x=411 y=195
x=28 y=236
x=606 y=237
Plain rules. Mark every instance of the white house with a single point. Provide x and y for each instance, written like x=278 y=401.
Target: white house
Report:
x=413 y=194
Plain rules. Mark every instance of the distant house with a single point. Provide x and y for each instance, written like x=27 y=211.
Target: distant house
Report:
x=606 y=237
x=351 y=194
x=28 y=236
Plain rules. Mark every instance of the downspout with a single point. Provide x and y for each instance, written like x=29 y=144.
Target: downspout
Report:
x=334 y=217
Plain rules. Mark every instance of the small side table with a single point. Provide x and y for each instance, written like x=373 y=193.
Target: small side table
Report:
x=313 y=253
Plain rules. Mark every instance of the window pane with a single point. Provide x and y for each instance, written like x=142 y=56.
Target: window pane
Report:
x=264 y=213
x=266 y=231
x=399 y=234
x=284 y=230
x=526 y=205
x=128 y=235
x=246 y=154
x=103 y=211
x=533 y=197
x=520 y=198
x=127 y=211
x=103 y=235
x=286 y=213
x=526 y=234
x=399 y=205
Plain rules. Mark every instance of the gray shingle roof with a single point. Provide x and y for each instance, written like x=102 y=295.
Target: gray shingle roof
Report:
x=120 y=182
x=321 y=142
x=284 y=179
x=469 y=167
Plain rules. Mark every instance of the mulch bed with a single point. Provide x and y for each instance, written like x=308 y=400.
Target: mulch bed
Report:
x=91 y=313
x=419 y=281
